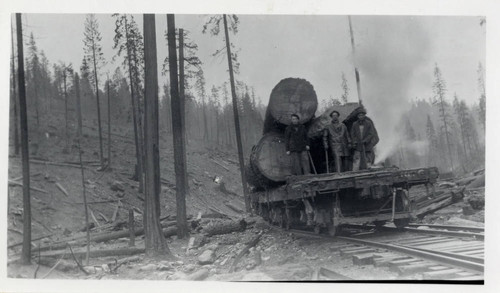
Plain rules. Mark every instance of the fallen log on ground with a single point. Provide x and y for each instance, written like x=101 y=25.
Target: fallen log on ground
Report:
x=60 y=265
x=478 y=182
x=225 y=227
x=59 y=186
x=234 y=208
x=57 y=164
x=32 y=188
x=96 y=253
x=465 y=181
x=34 y=239
x=106 y=236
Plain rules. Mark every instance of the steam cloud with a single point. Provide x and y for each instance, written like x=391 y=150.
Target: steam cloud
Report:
x=388 y=52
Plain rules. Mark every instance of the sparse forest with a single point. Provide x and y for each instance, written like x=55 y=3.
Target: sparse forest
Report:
x=134 y=154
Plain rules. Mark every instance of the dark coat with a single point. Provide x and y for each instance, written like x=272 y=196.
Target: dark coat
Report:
x=296 y=138
x=369 y=138
x=337 y=138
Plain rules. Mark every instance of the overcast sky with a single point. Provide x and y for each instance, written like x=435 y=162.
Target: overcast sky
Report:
x=399 y=50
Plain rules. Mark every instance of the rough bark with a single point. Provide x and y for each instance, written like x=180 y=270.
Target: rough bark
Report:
x=154 y=241
x=236 y=119
x=79 y=118
x=135 y=114
x=183 y=103
x=26 y=250
x=179 y=144
x=225 y=227
x=16 y=117
x=109 y=127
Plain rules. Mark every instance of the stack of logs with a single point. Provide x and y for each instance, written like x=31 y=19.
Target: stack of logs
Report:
x=269 y=165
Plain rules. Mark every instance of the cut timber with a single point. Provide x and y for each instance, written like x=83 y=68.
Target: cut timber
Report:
x=234 y=208
x=59 y=186
x=57 y=164
x=318 y=124
x=32 y=188
x=225 y=168
x=291 y=96
x=106 y=236
x=94 y=218
x=225 y=227
x=269 y=163
x=96 y=253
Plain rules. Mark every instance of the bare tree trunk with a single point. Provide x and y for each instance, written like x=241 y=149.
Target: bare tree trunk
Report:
x=79 y=117
x=205 y=126
x=35 y=82
x=26 y=250
x=179 y=146
x=183 y=103
x=140 y=111
x=136 y=116
x=217 y=125
x=16 y=127
x=101 y=155
x=236 y=119
x=155 y=241
x=446 y=133
x=109 y=127
x=65 y=108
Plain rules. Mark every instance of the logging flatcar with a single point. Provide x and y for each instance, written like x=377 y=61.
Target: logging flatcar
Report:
x=329 y=201
x=323 y=201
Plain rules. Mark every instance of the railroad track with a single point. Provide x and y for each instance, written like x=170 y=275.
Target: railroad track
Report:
x=436 y=252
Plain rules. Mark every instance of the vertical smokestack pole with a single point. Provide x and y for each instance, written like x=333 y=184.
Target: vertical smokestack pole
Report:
x=358 y=82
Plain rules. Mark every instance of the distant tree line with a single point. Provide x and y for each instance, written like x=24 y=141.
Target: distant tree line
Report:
x=443 y=132
x=51 y=92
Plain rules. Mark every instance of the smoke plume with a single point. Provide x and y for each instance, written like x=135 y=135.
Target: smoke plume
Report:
x=388 y=52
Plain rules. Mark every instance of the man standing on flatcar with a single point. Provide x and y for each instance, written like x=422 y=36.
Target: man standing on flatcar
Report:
x=336 y=138
x=364 y=137
x=297 y=146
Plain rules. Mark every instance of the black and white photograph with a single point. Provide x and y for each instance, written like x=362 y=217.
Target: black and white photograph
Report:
x=218 y=145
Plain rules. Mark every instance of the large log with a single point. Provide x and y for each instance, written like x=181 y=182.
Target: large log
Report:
x=290 y=96
x=225 y=227
x=348 y=113
x=269 y=162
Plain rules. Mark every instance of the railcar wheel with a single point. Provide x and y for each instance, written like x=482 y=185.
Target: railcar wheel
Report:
x=401 y=223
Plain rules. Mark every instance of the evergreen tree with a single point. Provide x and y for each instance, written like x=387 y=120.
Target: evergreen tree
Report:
x=439 y=88
x=432 y=139
x=482 y=98
x=200 y=88
x=129 y=41
x=33 y=78
x=461 y=113
x=94 y=56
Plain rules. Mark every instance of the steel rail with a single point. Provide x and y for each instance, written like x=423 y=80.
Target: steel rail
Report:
x=450 y=227
x=433 y=231
x=478 y=236
x=433 y=256
x=450 y=254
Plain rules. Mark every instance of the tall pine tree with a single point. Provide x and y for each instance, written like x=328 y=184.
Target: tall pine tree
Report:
x=95 y=57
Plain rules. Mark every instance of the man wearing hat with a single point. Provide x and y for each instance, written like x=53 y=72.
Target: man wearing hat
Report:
x=336 y=138
x=297 y=145
x=363 y=137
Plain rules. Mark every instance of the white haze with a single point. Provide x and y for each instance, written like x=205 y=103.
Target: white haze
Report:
x=389 y=51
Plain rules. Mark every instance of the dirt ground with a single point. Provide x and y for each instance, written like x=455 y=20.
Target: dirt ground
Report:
x=277 y=256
